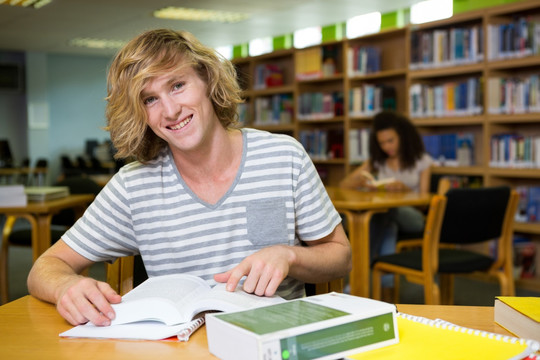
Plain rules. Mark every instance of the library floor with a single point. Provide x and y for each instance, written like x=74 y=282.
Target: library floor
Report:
x=467 y=291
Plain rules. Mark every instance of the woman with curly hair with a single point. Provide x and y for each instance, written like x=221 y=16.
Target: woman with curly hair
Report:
x=398 y=161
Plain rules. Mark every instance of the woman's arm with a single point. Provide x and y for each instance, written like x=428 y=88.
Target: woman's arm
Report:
x=358 y=178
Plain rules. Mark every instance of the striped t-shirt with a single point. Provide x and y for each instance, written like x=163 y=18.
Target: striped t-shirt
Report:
x=277 y=197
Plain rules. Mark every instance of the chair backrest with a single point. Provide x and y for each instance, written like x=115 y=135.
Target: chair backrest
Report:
x=432 y=233
x=76 y=185
x=474 y=215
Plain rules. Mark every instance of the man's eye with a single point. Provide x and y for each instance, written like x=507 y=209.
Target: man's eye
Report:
x=178 y=85
x=149 y=100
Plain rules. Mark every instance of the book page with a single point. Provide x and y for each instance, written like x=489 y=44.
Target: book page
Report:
x=161 y=298
x=222 y=300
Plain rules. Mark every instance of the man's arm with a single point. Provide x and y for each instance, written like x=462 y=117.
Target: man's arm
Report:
x=55 y=277
x=322 y=260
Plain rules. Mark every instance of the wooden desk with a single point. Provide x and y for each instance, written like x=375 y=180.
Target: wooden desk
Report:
x=359 y=207
x=39 y=215
x=30 y=330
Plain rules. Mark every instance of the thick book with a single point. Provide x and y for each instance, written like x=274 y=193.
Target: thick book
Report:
x=423 y=338
x=519 y=315
x=164 y=306
x=45 y=193
x=327 y=326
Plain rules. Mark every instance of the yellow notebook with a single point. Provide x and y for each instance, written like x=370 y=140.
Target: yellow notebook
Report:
x=422 y=338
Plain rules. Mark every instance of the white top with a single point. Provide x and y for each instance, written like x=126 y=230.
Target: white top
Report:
x=409 y=177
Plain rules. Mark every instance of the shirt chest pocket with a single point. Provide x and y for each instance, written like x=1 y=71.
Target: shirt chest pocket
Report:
x=267 y=222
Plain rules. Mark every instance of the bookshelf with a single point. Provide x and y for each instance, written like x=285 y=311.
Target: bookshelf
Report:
x=404 y=67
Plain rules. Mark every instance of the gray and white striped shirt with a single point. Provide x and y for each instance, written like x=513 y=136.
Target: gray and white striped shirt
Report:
x=277 y=197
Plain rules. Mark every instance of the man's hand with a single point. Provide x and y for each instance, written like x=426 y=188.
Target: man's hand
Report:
x=265 y=270
x=86 y=299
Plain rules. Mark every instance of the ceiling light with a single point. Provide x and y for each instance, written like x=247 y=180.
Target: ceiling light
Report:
x=364 y=24
x=97 y=43
x=179 y=13
x=307 y=37
x=36 y=4
x=431 y=10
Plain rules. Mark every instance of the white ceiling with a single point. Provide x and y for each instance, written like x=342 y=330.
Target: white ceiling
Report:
x=50 y=28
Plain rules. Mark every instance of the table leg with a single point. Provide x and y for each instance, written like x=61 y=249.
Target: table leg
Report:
x=358 y=223
x=41 y=238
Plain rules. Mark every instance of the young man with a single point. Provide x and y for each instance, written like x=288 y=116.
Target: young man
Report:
x=203 y=197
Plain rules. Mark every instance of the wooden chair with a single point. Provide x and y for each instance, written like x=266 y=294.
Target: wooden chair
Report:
x=120 y=276
x=471 y=216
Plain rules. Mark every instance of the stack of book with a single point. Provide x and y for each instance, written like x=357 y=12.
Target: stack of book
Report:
x=45 y=193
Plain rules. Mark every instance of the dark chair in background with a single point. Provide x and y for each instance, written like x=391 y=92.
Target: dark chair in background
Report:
x=472 y=216
x=23 y=237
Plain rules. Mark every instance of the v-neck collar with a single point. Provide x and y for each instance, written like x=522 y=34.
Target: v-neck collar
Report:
x=239 y=172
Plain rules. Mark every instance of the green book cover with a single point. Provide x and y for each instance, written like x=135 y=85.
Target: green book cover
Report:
x=319 y=327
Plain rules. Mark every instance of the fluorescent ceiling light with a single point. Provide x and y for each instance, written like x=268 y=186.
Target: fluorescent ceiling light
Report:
x=431 y=10
x=307 y=37
x=363 y=25
x=260 y=46
x=97 y=43
x=36 y=4
x=180 y=13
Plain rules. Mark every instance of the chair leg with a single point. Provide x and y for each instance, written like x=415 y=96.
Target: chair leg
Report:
x=4 y=291
x=396 y=288
x=447 y=289
x=4 y=252
x=376 y=278
x=432 y=294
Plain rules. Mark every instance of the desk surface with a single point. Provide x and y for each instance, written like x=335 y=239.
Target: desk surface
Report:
x=30 y=330
x=49 y=206
x=370 y=200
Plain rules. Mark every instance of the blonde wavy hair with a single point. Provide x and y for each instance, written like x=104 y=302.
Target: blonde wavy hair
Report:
x=151 y=54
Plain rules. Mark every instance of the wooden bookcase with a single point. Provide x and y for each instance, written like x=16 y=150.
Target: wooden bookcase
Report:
x=399 y=68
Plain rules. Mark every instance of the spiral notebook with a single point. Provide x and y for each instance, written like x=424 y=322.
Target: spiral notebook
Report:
x=422 y=338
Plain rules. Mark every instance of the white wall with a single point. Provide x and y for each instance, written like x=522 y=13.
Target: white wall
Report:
x=63 y=105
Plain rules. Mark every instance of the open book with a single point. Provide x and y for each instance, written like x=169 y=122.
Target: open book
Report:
x=164 y=306
x=371 y=181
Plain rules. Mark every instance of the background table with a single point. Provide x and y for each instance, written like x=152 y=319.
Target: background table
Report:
x=30 y=329
x=39 y=215
x=359 y=207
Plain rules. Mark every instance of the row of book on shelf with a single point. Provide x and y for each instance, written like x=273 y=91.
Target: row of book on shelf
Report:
x=512 y=150
x=517 y=38
x=322 y=144
x=456 y=98
x=451 y=149
x=514 y=95
x=447 y=47
x=363 y=60
x=268 y=75
x=320 y=105
x=369 y=99
x=529 y=203
x=274 y=110
x=316 y=62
